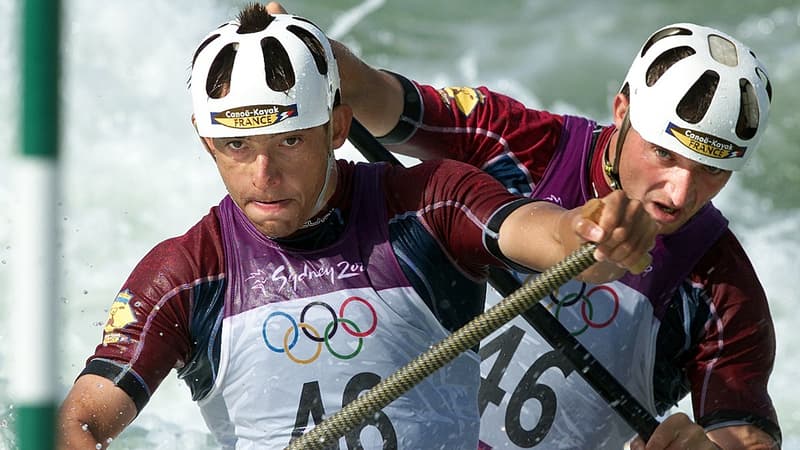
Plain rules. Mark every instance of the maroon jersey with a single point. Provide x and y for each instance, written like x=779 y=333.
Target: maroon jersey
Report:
x=440 y=221
x=716 y=339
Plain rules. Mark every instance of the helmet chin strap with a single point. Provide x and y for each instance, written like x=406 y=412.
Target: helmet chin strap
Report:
x=331 y=161
x=612 y=171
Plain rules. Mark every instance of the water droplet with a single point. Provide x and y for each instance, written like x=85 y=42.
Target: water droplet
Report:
x=85 y=292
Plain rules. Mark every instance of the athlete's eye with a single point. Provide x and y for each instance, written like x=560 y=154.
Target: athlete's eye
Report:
x=713 y=170
x=292 y=141
x=235 y=145
x=661 y=153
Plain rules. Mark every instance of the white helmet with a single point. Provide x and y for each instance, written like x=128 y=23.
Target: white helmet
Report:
x=666 y=106
x=246 y=99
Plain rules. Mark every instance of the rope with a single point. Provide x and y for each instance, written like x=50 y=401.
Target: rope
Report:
x=328 y=432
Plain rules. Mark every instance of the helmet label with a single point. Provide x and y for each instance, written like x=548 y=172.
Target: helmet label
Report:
x=255 y=116
x=705 y=144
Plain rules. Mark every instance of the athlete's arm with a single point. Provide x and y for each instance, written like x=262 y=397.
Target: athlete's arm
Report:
x=730 y=370
x=94 y=412
x=146 y=336
x=479 y=223
x=540 y=234
x=679 y=432
x=375 y=96
x=742 y=436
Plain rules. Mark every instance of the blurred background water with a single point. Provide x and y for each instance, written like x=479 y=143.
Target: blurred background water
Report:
x=134 y=174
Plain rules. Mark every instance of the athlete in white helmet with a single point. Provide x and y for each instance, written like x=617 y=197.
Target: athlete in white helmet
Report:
x=692 y=109
x=313 y=279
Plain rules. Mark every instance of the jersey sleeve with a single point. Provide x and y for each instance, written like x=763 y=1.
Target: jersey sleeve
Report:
x=735 y=356
x=460 y=206
x=147 y=333
x=473 y=125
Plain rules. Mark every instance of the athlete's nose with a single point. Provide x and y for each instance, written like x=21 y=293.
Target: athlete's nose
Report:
x=264 y=171
x=680 y=186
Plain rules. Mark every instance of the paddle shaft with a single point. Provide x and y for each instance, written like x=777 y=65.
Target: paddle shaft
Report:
x=584 y=363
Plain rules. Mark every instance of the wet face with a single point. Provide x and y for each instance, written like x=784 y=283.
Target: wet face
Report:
x=673 y=188
x=275 y=179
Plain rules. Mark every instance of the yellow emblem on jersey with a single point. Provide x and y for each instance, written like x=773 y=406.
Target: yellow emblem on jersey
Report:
x=121 y=312
x=466 y=98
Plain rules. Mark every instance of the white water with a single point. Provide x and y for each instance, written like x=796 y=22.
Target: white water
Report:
x=134 y=174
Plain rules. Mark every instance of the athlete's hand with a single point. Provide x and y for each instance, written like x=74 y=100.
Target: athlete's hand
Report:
x=275 y=8
x=674 y=433
x=623 y=231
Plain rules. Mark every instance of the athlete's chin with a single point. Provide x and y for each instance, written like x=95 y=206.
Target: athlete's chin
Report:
x=672 y=225
x=668 y=220
x=276 y=220
x=277 y=229
x=275 y=226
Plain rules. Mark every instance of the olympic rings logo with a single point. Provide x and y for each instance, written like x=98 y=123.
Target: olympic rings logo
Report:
x=587 y=308
x=292 y=334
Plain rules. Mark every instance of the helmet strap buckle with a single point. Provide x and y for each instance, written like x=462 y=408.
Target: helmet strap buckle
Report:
x=612 y=170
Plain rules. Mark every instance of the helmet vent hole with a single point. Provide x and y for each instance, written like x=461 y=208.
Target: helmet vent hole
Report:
x=202 y=46
x=747 y=125
x=723 y=51
x=664 y=61
x=694 y=105
x=765 y=79
x=314 y=46
x=277 y=66
x=219 y=74
x=303 y=19
x=666 y=32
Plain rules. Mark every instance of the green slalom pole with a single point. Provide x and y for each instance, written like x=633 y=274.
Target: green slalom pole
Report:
x=34 y=290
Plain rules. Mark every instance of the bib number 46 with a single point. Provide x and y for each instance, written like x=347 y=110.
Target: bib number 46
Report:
x=505 y=346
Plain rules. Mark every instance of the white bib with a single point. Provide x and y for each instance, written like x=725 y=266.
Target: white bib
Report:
x=530 y=395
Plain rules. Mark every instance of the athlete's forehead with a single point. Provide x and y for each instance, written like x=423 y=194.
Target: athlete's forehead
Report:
x=267 y=136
